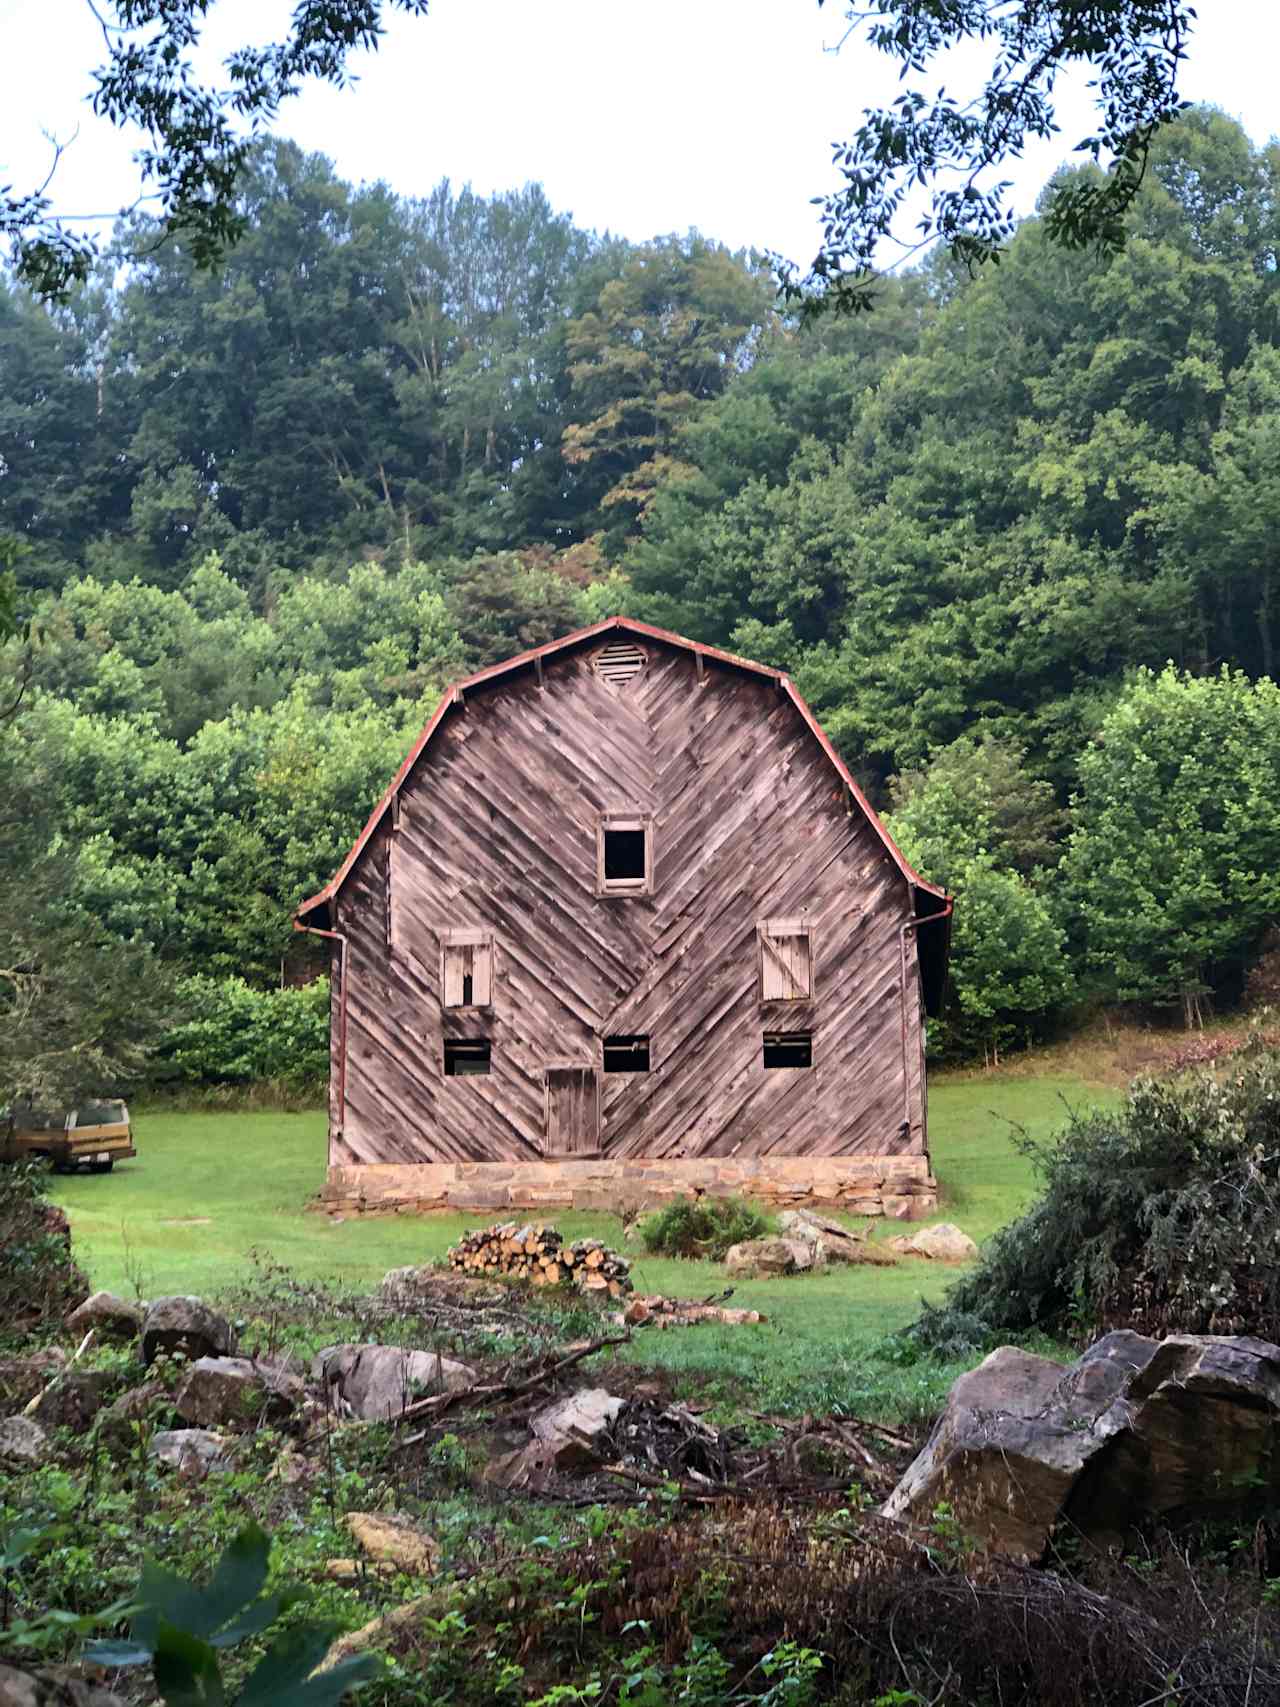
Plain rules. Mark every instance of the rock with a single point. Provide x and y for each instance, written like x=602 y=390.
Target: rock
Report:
x=401 y=1285
x=291 y=1468
x=377 y=1382
x=73 y=1400
x=51 y=1686
x=566 y=1435
x=943 y=1243
x=395 y=1541
x=21 y=1378
x=379 y=1631
x=352 y=1570
x=195 y=1451
x=182 y=1326
x=235 y=1392
x=1136 y=1429
x=575 y=1427
x=834 y=1242
x=118 y=1423
x=110 y=1317
x=23 y=1441
x=763 y=1256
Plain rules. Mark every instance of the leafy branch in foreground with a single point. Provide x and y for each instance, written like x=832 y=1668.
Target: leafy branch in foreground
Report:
x=1135 y=50
x=181 y=1629
x=199 y=133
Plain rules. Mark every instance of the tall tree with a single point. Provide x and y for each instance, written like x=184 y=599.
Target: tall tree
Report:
x=665 y=336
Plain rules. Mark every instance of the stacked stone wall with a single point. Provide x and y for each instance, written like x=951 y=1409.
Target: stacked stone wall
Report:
x=900 y=1187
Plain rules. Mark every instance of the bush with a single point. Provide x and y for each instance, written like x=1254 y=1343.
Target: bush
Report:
x=39 y=1282
x=238 y=1035
x=702 y=1227
x=1162 y=1215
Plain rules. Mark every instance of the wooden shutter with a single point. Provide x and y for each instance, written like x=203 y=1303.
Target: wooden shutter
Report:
x=466 y=969
x=786 y=960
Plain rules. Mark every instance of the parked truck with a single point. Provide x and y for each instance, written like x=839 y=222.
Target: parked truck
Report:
x=94 y=1136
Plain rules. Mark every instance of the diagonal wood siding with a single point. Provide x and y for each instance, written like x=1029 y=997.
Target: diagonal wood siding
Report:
x=496 y=830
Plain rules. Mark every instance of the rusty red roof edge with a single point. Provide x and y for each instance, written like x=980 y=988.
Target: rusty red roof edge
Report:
x=455 y=694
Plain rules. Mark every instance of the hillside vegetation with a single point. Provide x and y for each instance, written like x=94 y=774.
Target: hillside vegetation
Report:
x=1011 y=535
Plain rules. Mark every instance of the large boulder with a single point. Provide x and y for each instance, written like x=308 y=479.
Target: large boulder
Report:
x=377 y=1382
x=23 y=1442
x=567 y=1434
x=110 y=1317
x=235 y=1392
x=756 y=1257
x=831 y=1241
x=1184 y=1428
x=21 y=1378
x=943 y=1242
x=73 y=1400
x=181 y=1326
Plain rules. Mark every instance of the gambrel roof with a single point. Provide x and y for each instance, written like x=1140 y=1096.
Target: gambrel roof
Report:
x=930 y=904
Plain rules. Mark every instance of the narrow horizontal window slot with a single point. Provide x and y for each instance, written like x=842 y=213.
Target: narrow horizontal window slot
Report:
x=626 y=1054
x=788 y=1049
x=465 y=1055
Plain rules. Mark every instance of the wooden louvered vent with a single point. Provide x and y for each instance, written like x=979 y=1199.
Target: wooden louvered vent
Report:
x=620 y=662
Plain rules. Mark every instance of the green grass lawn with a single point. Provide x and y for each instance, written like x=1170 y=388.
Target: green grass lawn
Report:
x=209 y=1189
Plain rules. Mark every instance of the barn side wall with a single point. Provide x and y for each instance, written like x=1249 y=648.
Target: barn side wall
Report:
x=496 y=829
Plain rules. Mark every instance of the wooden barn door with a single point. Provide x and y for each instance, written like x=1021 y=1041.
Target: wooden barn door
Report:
x=573 y=1112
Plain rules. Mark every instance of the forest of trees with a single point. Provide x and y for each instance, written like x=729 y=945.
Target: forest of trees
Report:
x=1014 y=537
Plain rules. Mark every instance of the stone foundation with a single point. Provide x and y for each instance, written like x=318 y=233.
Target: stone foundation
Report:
x=898 y=1186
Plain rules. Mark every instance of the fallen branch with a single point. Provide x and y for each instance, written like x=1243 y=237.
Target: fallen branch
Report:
x=502 y=1391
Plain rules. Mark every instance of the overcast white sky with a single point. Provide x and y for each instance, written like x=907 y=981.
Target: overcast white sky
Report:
x=643 y=118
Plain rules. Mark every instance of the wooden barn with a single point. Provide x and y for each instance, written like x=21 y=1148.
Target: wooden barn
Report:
x=624 y=926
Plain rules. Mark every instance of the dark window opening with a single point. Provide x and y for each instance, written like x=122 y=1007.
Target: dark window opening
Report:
x=624 y=856
x=626 y=1054
x=788 y=1049
x=465 y=1055
x=468 y=989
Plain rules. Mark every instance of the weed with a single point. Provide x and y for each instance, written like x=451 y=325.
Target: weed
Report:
x=702 y=1227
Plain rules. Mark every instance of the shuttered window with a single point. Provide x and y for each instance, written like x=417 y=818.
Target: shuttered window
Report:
x=466 y=969
x=786 y=960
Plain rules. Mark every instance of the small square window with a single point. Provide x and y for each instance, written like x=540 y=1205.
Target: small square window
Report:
x=788 y=1049
x=624 y=856
x=626 y=1054
x=466 y=969
x=464 y=1056
x=786 y=960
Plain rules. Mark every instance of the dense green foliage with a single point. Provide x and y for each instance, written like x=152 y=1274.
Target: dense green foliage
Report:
x=235 y=1035
x=1010 y=535
x=702 y=1227
x=1162 y=1214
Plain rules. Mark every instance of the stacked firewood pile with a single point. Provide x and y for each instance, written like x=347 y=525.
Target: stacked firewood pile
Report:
x=538 y=1254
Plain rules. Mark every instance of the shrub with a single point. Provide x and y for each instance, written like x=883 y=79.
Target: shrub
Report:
x=1162 y=1215
x=702 y=1227
x=238 y=1035
x=39 y=1282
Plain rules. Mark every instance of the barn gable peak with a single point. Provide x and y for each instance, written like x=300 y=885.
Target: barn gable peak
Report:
x=622 y=645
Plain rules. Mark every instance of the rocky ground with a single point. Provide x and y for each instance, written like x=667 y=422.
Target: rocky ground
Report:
x=470 y=1483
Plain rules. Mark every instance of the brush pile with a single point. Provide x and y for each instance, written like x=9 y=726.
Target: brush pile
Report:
x=538 y=1254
